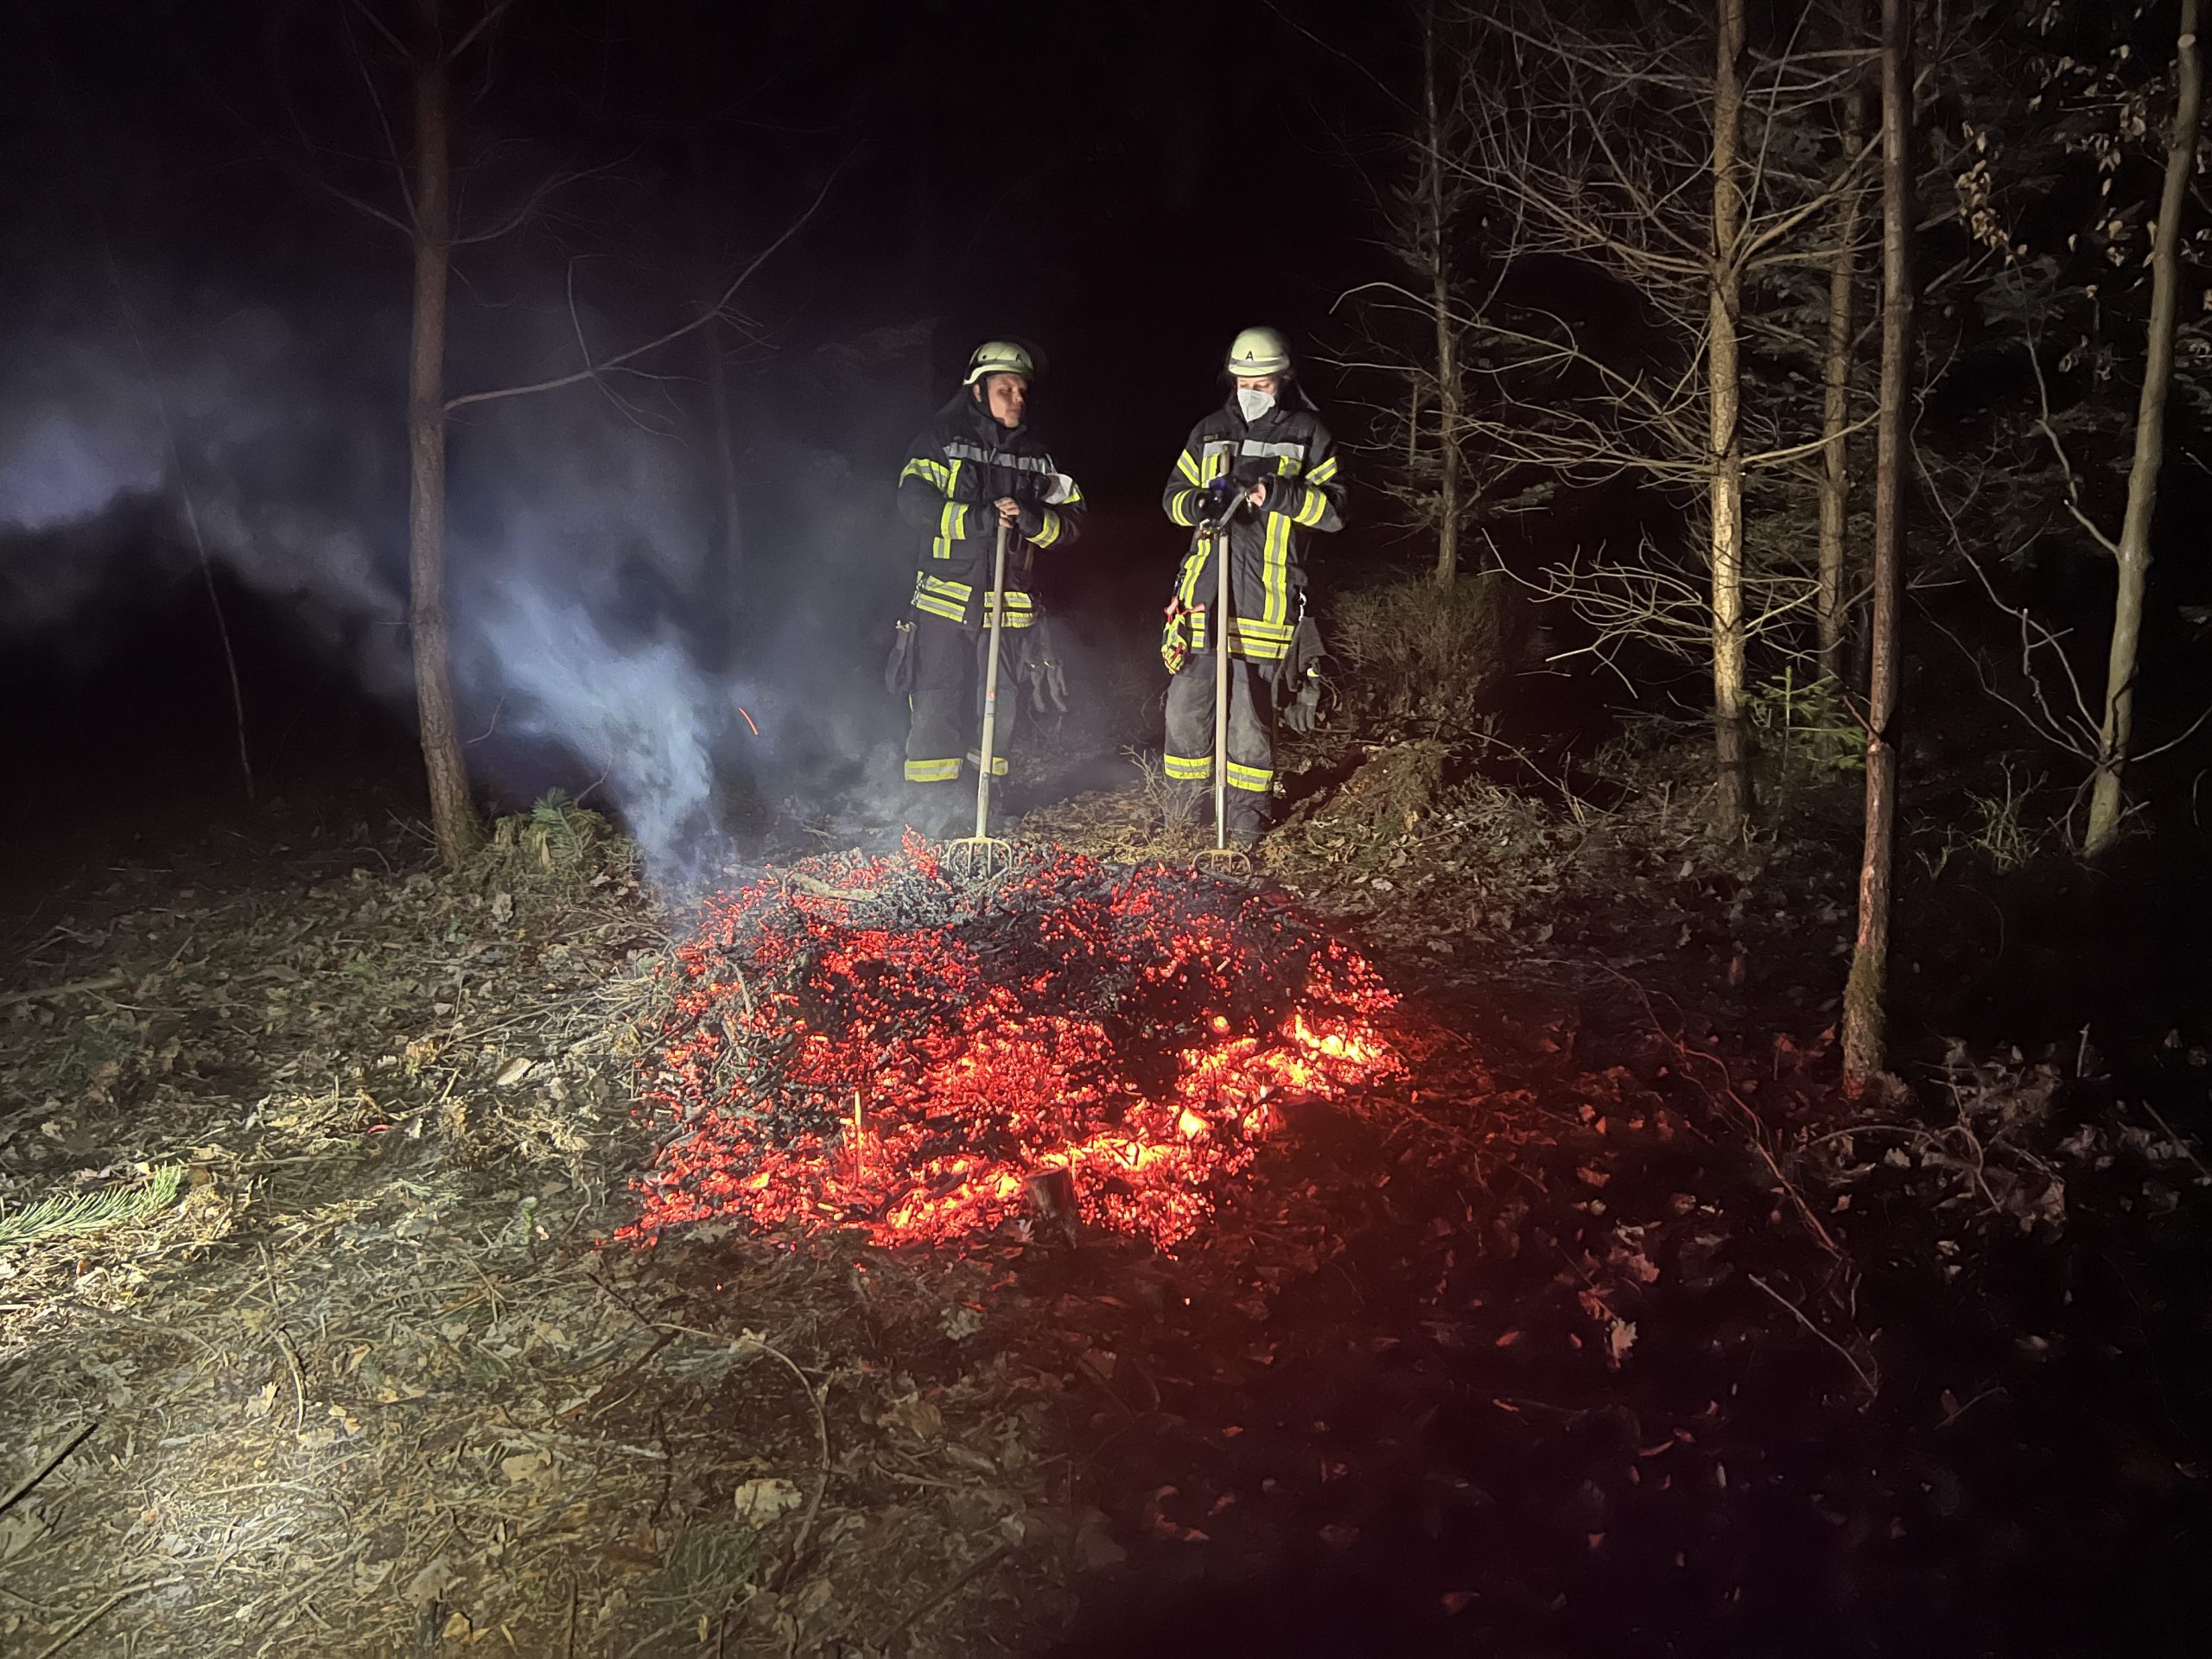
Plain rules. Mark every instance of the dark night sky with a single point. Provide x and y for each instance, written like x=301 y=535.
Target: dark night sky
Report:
x=1126 y=185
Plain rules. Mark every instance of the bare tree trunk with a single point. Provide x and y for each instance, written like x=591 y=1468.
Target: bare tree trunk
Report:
x=1835 y=412
x=1448 y=368
x=453 y=815
x=1732 y=736
x=1865 y=997
x=2107 y=801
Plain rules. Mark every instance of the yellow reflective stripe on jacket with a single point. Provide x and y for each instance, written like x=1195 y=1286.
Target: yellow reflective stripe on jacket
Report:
x=1249 y=637
x=952 y=525
x=1323 y=473
x=1187 y=465
x=1188 y=768
x=951 y=599
x=1049 y=531
x=933 y=772
x=1256 y=779
x=946 y=599
x=998 y=763
x=1275 y=570
x=1310 y=510
x=1260 y=640
x=1186 y=579
x=1183 y=508
x=934 y=472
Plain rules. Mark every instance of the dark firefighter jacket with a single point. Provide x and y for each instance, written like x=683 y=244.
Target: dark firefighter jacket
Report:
x=964 y=462
x=1290 y=451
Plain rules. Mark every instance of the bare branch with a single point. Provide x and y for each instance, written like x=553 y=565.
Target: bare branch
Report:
x=524 y=209
x=482 y=26
x=592 y=369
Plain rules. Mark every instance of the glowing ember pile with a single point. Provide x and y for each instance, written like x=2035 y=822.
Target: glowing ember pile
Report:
x=871 y=1043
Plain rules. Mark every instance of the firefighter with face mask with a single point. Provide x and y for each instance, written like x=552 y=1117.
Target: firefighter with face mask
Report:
x=1265 y=464
x=979 y=465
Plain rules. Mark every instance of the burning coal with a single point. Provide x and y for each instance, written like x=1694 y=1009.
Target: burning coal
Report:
x=872 y=1043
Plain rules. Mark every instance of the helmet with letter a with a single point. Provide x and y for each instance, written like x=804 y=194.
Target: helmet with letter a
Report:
x=1258 y=353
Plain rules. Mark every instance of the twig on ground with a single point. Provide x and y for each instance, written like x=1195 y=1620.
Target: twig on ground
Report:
x=749 y=1343
x=102 y=1611
x=285 y=1343
x=1757 y=1132
x=989 y=1558
x=104 y=982
x=2155 y=1117
x=49 y=1466
x=620 y=1377
x=808 y=884
x=1872 y=1384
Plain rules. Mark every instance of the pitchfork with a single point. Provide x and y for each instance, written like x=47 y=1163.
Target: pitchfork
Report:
x=982 y=854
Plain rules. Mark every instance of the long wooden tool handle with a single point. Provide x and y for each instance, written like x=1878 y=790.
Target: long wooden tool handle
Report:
x=991 y=689
x=1221 y=688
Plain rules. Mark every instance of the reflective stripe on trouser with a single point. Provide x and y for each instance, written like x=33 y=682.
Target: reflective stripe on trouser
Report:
x=946 y=727
x=1189 y=763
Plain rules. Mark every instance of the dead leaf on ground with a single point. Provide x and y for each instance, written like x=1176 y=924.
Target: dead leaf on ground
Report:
x=760 y=1501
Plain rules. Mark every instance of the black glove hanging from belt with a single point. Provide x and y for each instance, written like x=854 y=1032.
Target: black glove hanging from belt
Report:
x=1298 y=690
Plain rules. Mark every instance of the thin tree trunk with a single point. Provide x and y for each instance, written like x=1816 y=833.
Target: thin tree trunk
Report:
x=1448 y=368
x=1865 y=997
x=453 y=815
x=1836 y=413
x=1732 y=737
x=2107 y=801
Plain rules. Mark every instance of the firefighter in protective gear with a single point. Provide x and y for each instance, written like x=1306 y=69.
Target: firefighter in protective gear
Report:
x=1265 y=460
x=979 y=464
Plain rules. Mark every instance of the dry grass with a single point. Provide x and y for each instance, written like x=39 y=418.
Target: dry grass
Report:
x=370 y=1382
x=1420 y=654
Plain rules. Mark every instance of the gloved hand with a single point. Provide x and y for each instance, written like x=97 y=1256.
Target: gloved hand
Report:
x=1282 y=494
x=1301 y=685
x=1303 y=712
x=1175 y=638
x=1216 y=499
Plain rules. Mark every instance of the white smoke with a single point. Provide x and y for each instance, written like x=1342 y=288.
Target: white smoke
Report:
x=641 y=716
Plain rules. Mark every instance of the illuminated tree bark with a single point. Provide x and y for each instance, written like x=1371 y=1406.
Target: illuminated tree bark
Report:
x=1865 y=997
x=2132 y=555
x=1438 y=255
x=1724 y=375
x=1833 y=616
x=453 y=814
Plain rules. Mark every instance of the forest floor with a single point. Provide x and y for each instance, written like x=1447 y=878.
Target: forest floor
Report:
x=1608 y=1326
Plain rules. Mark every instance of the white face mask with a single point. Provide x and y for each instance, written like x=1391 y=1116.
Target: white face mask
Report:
x=1253 y=404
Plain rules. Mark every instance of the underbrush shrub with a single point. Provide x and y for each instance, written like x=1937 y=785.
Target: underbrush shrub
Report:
x=1388 y=796
x=1422 y=651
x=558 y=849
x=1805 y=726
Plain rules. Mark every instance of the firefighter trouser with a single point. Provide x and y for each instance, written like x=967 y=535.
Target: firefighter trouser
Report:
x=945 y=731
x=1189 y=762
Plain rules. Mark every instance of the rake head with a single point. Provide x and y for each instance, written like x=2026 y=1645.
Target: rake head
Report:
x=978 y=858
